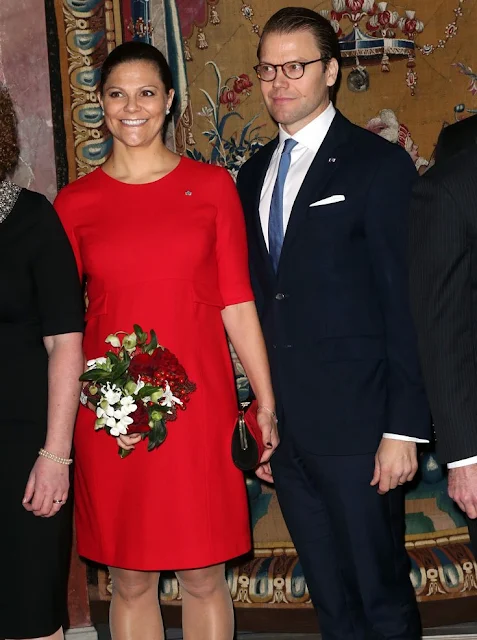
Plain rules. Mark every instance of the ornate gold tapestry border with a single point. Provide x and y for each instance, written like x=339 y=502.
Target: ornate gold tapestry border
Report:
x=87 y=34
x=437 y=573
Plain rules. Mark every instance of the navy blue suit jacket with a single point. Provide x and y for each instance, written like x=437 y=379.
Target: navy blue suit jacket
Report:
x=336 y=316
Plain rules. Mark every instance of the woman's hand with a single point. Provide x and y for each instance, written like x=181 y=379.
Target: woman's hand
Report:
x=128 y=442
x=48 y=481
x=268 y=426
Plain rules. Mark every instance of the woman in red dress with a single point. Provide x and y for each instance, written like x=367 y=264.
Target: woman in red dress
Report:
x=160 y=241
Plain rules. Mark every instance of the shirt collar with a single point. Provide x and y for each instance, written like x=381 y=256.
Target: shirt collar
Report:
x=313 y=134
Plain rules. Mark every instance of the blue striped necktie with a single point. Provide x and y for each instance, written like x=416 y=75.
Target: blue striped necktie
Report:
x=275 y=220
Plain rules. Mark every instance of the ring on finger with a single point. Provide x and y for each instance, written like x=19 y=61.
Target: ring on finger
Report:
x=57 y=501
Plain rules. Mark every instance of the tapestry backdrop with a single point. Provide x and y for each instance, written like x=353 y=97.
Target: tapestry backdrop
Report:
x=24 y=70
x=408 y=72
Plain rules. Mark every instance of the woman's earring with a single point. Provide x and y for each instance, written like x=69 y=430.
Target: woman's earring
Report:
x=168 y=111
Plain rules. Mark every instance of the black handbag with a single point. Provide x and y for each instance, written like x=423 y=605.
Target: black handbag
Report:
x=247 y=440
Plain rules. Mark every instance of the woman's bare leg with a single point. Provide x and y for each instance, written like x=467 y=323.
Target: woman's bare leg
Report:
x=207 y=611
x=134 y=613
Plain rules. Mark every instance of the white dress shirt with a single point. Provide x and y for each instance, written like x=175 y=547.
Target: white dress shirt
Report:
x=309 y=140
x=462 y=463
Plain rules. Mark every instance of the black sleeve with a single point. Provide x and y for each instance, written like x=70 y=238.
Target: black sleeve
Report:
x=387 y=240
x=58 y=289
x=441 y=299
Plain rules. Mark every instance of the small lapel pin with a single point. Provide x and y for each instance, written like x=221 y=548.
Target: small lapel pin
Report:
x=188 y=193
x=331 y=159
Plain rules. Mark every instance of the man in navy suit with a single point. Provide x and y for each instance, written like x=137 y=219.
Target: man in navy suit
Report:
x=326 y=207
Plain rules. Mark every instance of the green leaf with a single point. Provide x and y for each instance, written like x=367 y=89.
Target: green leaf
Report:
x=153 y=343
x=123 y=453
x=119 y=370
x=141 y=335
x=157 y=435
x=112 y=357
x=147 y=390
x=95 y=375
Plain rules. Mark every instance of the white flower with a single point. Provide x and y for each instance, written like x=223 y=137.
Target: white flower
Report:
x=111 y=393
x=129 y=342
x=121 y=426
x=99 y=424
x=139 y=385
x=110 y=410
x=91 y=364
x=113 y=340
x=127 y=405
x=205 y=112
x=168 y=399
x=100 y=412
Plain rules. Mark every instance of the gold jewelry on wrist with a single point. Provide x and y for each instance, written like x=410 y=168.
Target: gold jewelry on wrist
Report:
x=51 y=456
x=272 y=413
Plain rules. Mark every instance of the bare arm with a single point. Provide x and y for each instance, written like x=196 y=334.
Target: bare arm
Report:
x=49 y=480
x=65 y=365
x=243 y=328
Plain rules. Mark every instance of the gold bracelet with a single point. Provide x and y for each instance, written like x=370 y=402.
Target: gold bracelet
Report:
x=272 y=413
x=51 y=456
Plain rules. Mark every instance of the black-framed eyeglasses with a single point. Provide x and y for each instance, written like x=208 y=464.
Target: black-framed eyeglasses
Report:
x=292 y=70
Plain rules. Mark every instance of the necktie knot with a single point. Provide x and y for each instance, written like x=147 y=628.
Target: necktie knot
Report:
x=275 y=221
x=290 y=144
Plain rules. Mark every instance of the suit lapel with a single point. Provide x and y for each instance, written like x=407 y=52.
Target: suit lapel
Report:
x=324 y=166
x=257 y=191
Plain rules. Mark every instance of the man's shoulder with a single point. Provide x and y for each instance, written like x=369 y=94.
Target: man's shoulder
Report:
x=452 y=171
x=466 y=126
x=376 y=147
x=259 y=158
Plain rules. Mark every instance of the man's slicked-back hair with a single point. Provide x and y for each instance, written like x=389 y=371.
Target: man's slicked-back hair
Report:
x=292 y=19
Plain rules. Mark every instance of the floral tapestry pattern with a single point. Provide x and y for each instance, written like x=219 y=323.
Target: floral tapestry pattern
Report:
x=232 y=150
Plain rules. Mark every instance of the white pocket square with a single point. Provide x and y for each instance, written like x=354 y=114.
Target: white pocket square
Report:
x=329 y=200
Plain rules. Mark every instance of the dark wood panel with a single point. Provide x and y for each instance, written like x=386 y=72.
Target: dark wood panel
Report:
x=433 y=614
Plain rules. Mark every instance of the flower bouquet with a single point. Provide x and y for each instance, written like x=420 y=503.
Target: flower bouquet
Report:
x=136 y=387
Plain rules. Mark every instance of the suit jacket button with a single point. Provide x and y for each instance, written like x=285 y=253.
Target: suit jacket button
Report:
x=280 y=296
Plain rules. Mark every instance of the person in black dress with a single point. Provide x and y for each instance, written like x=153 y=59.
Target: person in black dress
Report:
x=41 y=324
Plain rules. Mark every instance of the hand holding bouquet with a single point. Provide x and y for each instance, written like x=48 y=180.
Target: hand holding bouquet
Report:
x=136 y=387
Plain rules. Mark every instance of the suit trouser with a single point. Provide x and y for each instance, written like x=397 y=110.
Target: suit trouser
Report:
x=350 y=541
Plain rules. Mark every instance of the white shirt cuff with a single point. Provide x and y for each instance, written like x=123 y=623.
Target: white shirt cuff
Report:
x=462 y=463
x=394 y=436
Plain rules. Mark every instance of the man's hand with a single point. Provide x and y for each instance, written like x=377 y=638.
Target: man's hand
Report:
x=395 y=463
x=462 y=487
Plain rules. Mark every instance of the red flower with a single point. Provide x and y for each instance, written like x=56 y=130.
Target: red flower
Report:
x=242 y=83
x=230 y=98
x=355 y=5
x=141 y=420
x=410 y=27
x=142 y=365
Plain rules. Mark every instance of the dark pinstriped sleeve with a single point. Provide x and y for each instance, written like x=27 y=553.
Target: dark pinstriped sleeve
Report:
x=441 y=300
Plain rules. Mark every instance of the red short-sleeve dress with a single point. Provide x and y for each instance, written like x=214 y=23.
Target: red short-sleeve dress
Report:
x=167 y=255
